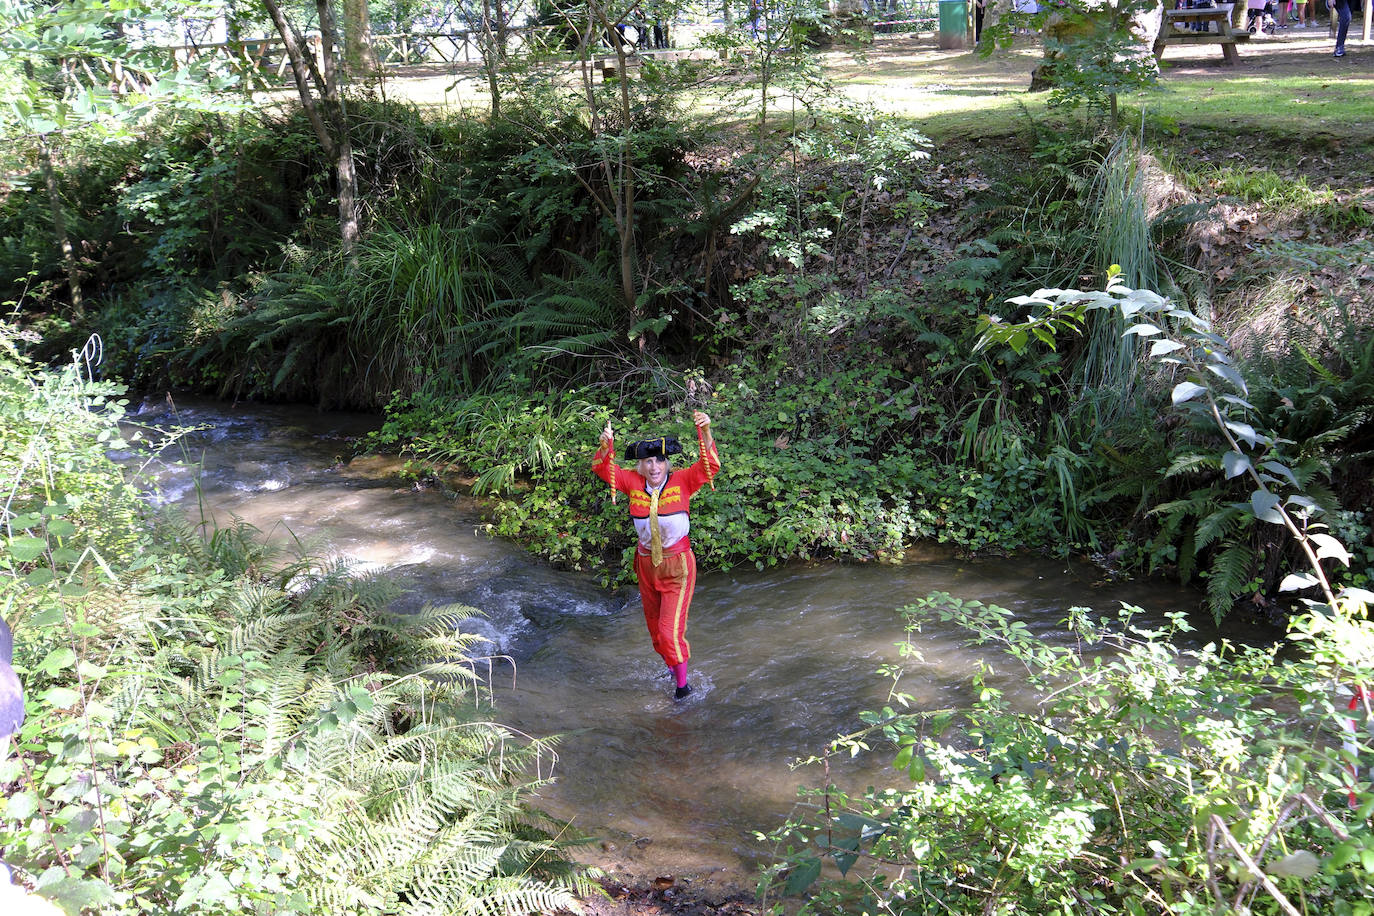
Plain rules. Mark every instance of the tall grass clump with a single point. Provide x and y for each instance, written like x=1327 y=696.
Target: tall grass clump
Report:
x=419 y=300
x=214 y=728
x=1120 y=228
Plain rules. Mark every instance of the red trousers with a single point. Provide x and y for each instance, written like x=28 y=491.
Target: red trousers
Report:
x=666 y=591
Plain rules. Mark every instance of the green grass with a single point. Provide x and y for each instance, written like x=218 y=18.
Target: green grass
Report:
x=1286 y=91
x=1285 y=195
x=1313 y=109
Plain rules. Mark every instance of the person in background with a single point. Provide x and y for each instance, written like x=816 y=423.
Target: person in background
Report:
x=11 y=693
x=660 y=500
x=15 y=900
x=1342 y=26
x=660 y=14
x=1300 y=17
x=979 y=8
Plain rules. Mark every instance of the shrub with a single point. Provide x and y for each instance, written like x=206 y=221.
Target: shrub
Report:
x=214 y=729
x=1139 y=778
x=833 y=465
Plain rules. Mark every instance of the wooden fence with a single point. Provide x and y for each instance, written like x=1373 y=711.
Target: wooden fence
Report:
x=263 y=62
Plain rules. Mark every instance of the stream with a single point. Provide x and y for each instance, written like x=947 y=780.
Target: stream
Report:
x=783 y=660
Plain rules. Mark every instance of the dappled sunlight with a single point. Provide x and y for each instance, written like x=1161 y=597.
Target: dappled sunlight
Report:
x=1289 y=80
x=783 y=660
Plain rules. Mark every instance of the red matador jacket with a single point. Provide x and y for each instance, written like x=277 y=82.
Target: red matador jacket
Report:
x=677 y=489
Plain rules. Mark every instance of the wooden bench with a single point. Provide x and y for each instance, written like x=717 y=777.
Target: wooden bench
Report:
x=1173 y=30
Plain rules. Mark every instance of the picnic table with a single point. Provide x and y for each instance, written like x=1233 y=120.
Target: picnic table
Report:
x=1174 y=30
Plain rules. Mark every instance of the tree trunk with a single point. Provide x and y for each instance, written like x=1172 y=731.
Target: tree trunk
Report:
x=59 y=225
x=359 y=55
x=625 y=201
x=493 y=51
x=327 y=116
x=620 y=176
x=348 y=196
x=343 y=166
x=303 y=71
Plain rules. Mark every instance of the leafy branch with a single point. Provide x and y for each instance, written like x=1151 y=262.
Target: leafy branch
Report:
x=1212 y=388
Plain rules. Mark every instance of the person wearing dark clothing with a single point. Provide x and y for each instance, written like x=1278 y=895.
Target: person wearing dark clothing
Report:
x=1342 y=26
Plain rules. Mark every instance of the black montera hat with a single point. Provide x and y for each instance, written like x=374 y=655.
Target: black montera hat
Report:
x=661 y=447
x=11 y=694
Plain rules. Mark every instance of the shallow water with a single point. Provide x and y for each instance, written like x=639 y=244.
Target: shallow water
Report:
x=783 y=660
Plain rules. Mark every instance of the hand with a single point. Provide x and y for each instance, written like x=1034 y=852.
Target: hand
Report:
x=700 y=419
x=606 y=437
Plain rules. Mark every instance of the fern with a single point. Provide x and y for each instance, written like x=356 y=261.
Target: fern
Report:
x=577 y=315
x=1230 y=572
x=1218 y=525
x=1187 y=557
x=397 y=802
x=1190 y=462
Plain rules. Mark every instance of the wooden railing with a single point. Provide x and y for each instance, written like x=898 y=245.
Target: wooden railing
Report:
x=263 y=62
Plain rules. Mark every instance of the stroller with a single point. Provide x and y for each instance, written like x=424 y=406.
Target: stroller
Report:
x=1257 y=20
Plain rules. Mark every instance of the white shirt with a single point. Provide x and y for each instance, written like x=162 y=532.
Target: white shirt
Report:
x=673 y=527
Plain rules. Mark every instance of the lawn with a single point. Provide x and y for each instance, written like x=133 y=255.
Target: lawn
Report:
x=1288 y=88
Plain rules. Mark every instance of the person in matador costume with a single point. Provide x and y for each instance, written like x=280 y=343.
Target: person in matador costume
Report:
x=660 y=506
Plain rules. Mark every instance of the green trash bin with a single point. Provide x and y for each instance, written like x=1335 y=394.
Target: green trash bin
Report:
x=953 y=28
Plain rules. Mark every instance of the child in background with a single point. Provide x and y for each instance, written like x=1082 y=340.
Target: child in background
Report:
x=1254 y=17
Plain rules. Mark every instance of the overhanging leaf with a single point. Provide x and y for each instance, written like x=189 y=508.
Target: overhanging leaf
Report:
x=1228 y=373
x=1297 y=582
x=1234 y=464
x=26 y=549
x=1244 y=431
x=1328 y=546
x=803 y=876
x=1300 y=864
x=1186 y=391
x=1265 y=506
x=1282 y=470
x=1358 y=595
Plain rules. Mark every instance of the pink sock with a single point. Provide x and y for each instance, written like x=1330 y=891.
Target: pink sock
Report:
x=679 y=673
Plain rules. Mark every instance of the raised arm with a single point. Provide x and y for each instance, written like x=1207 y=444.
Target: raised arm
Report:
x=709 y=464
x=603 y=463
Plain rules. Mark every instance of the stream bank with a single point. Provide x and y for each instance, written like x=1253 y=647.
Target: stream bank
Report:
x=784 y=660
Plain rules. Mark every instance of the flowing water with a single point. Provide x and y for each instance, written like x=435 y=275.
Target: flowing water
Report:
x=782 y=660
